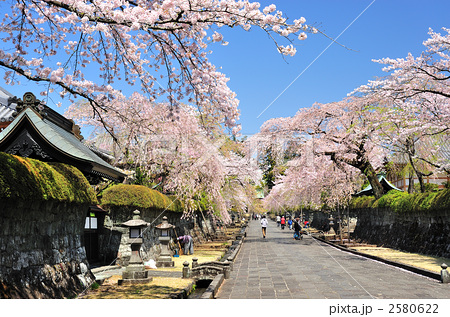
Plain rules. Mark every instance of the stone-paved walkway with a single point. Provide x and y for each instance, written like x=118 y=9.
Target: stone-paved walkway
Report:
x=281 y=267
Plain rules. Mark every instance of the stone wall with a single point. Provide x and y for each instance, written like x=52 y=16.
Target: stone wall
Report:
x=423 y=232
x=114 y=244
x=41 y=252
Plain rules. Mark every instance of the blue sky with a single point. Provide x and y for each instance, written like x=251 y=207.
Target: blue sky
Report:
x=388 y=28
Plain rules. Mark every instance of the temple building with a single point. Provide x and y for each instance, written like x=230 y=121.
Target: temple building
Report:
x=32 y=129
x=368 y=191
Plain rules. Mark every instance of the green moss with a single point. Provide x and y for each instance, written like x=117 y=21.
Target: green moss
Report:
x=393 y=199
x=362 y=202
x=442 y=199
x=403 y=202
x=139 y=196
x=33 y=180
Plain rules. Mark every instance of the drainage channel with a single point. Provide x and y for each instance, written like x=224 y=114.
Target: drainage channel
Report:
x=200 y=287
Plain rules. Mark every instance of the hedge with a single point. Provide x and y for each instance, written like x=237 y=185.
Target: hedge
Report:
x=32 y=180
x=403 y=202
x=139 y=196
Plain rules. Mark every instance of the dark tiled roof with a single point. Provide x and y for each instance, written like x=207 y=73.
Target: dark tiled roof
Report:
x=384 y=182
x=65 y=142
x=5 y=110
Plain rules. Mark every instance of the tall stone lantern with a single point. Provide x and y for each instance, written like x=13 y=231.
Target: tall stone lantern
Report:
x=165 y=258
x=135 y=272
x=331 y=220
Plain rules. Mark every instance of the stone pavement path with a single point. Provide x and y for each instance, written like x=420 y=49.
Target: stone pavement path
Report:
x=281 y=267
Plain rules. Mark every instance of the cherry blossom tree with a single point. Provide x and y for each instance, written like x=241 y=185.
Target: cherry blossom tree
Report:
x=313 y=185
x=91 y=48
x=422 y=82
x=404 y=116
x=239 y=188
x=341 y=131
x=170 y=147
x=167 y=144
x=413 y=106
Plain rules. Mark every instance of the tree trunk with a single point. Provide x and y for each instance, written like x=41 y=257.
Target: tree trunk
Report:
x=366 y=168
x=419 y=174
x=372 y=177
x=411 y=183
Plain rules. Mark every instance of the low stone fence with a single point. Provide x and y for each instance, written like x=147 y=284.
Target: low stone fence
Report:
x=216 y=271
x=420 y=232
x=206 y=270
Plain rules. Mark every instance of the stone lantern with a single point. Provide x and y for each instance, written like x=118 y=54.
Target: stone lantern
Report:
x=135 y=272
x=165 y=258
x=331 y=220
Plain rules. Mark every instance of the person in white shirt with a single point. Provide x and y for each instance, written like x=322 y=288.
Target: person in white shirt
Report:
x=264 y=226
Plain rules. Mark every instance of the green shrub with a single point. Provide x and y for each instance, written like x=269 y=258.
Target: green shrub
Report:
x=32 y=180
x=362 y=202
x=403 y=202
x=139 y=196
x=442 y=199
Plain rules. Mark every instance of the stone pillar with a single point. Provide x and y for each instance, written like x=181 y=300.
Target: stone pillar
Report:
x=445 y=276
x=194 y=262
x=230 y=260
x=227 y=270
x=186 y=271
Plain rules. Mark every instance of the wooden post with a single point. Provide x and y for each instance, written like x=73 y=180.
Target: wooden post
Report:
x=179 y=245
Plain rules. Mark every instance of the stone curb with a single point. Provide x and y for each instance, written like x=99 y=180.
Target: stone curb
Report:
x=212 y=289
x=104 y=272
x=407 y=267
x=105 y=268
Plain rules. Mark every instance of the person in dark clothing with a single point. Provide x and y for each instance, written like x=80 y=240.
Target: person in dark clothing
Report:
x=297 y=229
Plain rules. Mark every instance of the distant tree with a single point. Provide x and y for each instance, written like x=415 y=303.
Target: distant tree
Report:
x=341 y=132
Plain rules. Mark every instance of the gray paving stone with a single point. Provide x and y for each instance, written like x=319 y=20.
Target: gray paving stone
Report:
x=279 y=267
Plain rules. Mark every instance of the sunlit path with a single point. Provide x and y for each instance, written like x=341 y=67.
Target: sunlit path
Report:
x=281 y=267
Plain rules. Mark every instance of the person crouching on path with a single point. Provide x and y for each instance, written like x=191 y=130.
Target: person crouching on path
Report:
x=264 y=226
x=188 y=244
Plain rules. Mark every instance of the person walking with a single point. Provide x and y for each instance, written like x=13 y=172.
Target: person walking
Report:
x=297 y=229
x=278 y=220
x=283 y=222
x=264 y=226
x=290 y=223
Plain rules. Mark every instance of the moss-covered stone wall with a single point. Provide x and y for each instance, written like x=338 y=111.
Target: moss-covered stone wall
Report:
x=23 y=179
x=139 y=196
x=121 y=200
x=418 y=232
x=403 y=202
x=43 y=208
x=410 y=222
